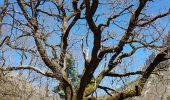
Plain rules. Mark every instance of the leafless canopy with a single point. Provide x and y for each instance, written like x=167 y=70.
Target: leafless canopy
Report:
x=39 y=34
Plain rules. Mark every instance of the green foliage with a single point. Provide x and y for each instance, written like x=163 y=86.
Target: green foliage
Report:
x=58 y=90
x=72 y=75
x=72 y=71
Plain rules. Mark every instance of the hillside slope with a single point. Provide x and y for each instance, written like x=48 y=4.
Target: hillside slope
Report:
x=14 y=87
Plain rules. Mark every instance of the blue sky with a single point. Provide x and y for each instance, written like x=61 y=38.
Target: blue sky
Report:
x=138 y=59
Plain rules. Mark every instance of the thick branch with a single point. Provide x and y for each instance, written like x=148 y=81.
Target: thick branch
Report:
x=94 y=7
x=49 y=14
x=74 y=3
x=92 y=65
x=105 y=51
x=43 y=52
x=4 y=8
x=124 y=75
x=154 y=19
x=29 y=68
x=33 y=21
x=5 y=40
x=22 y=5
x=132 y=24
x=139 y=86
x=106 y=89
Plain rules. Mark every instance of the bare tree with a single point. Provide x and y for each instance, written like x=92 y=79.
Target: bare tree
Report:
x=44 y=32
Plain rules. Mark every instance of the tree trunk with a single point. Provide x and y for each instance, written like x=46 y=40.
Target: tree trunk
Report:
x=67 y=90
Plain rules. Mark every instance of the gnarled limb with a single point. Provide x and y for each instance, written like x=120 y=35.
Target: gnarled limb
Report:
x=137 y=89
x=47 y=74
